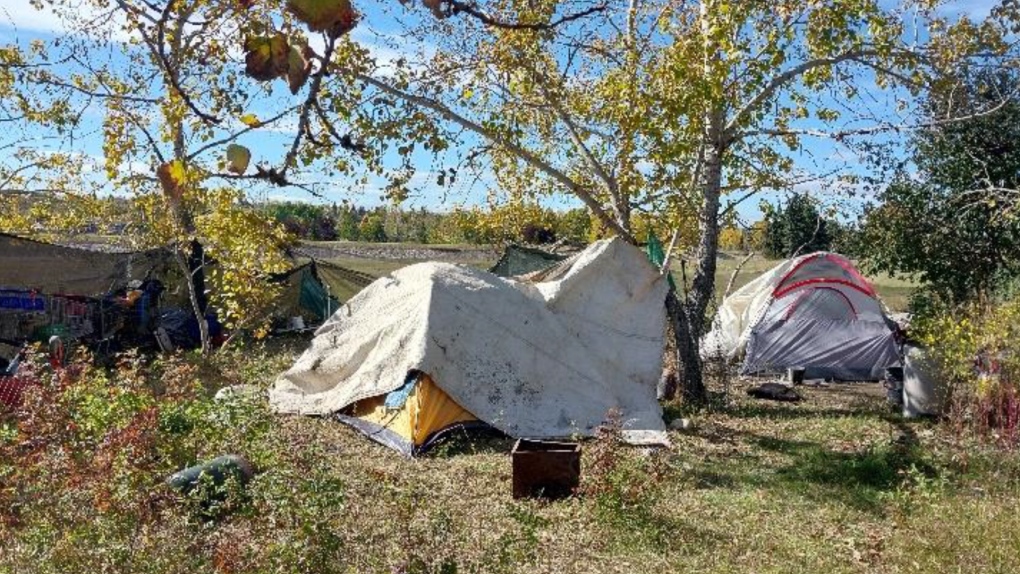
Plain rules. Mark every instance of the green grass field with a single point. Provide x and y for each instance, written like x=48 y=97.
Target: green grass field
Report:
x=895 y=292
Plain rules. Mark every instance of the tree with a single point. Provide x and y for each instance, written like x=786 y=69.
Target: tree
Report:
x=175 y=101
x=794 y=228
x=372 y=228
x=943 y=224
x=731 y=238
x=670 y=106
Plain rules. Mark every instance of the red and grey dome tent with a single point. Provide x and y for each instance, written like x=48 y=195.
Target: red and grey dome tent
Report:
x=816 y=312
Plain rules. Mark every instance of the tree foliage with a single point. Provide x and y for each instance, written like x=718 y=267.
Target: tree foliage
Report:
x=943 y=223
x=796 y=227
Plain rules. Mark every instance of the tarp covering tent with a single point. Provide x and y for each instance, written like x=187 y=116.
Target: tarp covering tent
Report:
x=342 y=283
x=520 y=260
x=49 y=268
x=304 y=294
x=547 y=359
x=49 y=289
x=816 y=312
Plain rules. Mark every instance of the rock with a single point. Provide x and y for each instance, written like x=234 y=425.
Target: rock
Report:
x=218 y=469
x=681 y=424
x=235 y=392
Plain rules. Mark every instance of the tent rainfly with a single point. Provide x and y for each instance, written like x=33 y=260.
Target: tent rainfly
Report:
x=815 y=312
x=437 y=346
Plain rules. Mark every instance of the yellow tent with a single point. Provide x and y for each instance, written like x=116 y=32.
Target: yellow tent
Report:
x=411 y=418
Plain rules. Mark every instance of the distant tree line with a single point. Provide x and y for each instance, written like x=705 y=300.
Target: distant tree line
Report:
x=520 y=223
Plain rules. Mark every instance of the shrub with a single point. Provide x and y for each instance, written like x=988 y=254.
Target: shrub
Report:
x=975 y=347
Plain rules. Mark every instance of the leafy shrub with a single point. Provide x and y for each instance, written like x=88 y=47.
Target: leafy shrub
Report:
x=976 y=348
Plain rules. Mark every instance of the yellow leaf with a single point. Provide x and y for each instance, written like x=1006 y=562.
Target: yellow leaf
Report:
x=250 y=120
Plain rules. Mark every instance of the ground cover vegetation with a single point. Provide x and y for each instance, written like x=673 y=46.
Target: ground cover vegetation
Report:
x=834 y=483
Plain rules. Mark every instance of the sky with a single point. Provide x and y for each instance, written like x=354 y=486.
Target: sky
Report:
x=21 y=23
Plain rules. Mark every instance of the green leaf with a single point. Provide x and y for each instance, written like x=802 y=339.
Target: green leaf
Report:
x=238 y=157
x=335 y=17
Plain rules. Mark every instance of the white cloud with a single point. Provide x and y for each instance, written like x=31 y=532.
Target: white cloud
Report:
x=21 y=15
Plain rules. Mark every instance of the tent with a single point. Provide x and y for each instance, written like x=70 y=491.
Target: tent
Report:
x=49 y=268
x=520 y=260
x=816 y=312
x=436 y=345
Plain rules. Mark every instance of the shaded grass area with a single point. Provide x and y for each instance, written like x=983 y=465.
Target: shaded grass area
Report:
x=832 y=484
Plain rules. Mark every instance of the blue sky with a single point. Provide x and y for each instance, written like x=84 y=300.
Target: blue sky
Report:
x=21 y=23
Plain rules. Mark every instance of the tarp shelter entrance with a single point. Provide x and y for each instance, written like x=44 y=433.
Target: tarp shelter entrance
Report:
x=412 y=418
x=304 y=294
x=816 y=312
x=540 y=360
x=520 y=260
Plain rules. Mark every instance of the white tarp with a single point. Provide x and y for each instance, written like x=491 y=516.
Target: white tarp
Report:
x=731 y=327
x=536 y=360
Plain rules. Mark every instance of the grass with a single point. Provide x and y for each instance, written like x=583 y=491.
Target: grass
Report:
x=894 y=291
x=832 y=484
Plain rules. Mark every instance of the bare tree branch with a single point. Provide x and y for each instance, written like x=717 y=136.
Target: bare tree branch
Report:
x=170 y=71
x=471 y=9
x=234 y=136
x=777 y=82
x=528 y=157
x=306 y=107
x=736 y=271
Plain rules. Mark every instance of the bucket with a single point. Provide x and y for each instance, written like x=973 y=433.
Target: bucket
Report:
x=545 y=468
x=795 y=375
x=297 y=323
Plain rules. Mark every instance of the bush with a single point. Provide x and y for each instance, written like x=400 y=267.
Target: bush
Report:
x=975 y=347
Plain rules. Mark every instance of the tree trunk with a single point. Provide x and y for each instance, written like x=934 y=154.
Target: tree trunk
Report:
x=688 y=317
x=703 y=285
x=692 y=385
x=196 y=296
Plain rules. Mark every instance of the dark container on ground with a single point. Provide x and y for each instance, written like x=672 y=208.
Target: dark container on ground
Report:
x=545 y=468
x=894 y=386
x=796 y=375
x=218 y=469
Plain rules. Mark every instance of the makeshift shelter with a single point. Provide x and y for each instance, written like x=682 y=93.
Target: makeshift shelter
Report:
x=341 y=282
x=304 y=294
x=82 y=293
x=520 y=260
x=437 y=345
x=48 y=268
x=816 y=312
